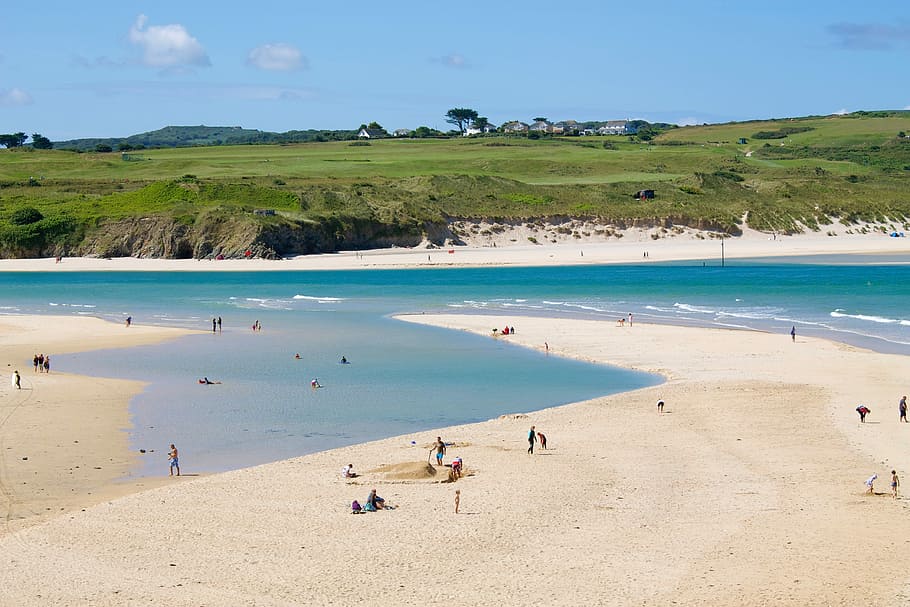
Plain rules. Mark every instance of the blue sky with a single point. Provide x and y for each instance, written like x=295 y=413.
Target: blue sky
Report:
x=105 y=69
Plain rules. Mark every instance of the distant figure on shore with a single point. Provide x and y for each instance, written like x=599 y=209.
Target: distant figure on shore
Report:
x=374 y=502
x=863 y=410
x=47 y=364
x=793 y=333
x=440 y=450
x=621 y=322
x=870 y=482
x=214 y=324
x=297 y=356
x=17 y=381
x=174 y=460
x=630 y=319
x=208 y=382
x=532 y=438
x=457 y=467
x=902 y=407
x=129 y=320
x=219 y=324
x=542 y=440
x=348 y=471
x=344 y=360
x=512 y=330
x=355 y=507
x=546 y=347
x=35 y=362
x=895 y=484
x=660 y=406
x=457 y=499
x=40 y=363
x=314 y=383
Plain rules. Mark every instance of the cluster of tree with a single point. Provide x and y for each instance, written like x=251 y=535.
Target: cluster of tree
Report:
x=15 y=140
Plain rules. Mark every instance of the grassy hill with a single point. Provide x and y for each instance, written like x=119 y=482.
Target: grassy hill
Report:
x=788 y=175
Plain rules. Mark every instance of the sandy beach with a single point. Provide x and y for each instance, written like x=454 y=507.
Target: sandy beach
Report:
x=63 y=440
x=747 y=490
x=511 y=248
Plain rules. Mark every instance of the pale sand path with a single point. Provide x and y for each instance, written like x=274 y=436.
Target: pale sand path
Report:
x=569 y=251
x=747 y=491
x=63 y=443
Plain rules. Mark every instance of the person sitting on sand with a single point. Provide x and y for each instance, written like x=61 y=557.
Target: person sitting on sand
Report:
x=355 y=507
x=374 y=502
x=348 y=471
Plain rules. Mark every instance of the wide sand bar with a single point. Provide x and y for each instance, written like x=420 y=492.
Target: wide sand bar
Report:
x=747 y=490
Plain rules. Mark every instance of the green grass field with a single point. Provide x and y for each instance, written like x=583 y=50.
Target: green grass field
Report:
x=805 y=171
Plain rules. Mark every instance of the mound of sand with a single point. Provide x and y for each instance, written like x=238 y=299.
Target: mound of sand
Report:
x=414 y=471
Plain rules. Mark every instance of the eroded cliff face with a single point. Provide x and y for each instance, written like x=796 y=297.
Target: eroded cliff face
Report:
x=233 y=236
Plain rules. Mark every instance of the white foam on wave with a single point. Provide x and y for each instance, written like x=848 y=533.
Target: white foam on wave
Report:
x=690 y=308
x=865 y=317
x=318 y=299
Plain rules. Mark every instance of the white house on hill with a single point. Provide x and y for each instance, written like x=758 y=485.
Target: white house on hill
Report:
x=616 y=127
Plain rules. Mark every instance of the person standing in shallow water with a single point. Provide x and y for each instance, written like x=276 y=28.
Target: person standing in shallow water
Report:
x=793 y=333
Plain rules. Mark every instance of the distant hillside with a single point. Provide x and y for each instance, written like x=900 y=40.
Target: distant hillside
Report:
x=190 y=136
x=779 y=176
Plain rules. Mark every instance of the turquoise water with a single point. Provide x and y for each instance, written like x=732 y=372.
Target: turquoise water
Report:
x=404 y=378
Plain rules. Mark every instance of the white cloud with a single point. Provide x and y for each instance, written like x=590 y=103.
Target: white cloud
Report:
x=841 y=112
x=689 y=121
x=453 y=60
x=167 y=46
x=277 y=57
x=14 y=96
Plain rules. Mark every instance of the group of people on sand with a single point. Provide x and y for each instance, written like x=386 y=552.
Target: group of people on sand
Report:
x=863 y=411
x=506 y=330
x=535 y=437
x=41 y=363
x=372 y=504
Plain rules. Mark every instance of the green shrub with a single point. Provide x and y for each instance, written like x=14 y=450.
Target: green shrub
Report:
x=26 y=216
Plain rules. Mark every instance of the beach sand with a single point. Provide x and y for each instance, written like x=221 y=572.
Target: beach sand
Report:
x=747 y=490
x=63 y=443
x=512 y=248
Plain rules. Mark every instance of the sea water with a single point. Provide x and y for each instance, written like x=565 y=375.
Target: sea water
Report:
x=404 y=378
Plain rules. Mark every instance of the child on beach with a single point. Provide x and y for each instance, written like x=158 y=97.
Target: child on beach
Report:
x=869 y=482
x=457 y=499
x=895 y=483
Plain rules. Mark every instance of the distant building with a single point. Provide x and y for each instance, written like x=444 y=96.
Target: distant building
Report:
x=616 y=127
x=514 y=127
x=541 y=126
x=366 y=133
x=401 y=133
x=473 y=130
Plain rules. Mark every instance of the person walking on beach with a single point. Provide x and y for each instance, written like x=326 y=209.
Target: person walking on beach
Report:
x=440 y=450
x=793 y=333
x=902 y=407
x=895 y=484
x=40 y=362
x=457 y=499
x=17 y=381
x=532 y=438
x=175 y=461
x=129 y=321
